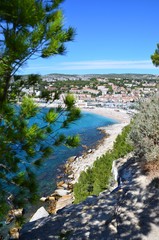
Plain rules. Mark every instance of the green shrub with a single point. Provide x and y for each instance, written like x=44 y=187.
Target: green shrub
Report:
x=84 y=186
x=97 y=178
x=145 y=129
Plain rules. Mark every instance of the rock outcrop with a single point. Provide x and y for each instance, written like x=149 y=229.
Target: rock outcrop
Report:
x=40 y=213
x=130 y=211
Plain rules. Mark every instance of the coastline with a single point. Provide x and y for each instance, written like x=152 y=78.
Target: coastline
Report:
x=113 y=113
x=63 y=194
x=84 y=162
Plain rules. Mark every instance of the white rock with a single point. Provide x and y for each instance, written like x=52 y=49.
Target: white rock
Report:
x=65 y=185
x=63 y=202
x=43 y=199
x=61 y=192
x=90 y=150
x=71 y=176
x=40 y=213
x=114 y=170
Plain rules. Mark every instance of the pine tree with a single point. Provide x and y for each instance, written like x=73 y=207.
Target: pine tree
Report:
x=155 y=56
x=28 y=28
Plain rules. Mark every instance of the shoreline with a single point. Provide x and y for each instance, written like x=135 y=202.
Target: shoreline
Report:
x=63 y=194
x=84 y=162
x=119 y=115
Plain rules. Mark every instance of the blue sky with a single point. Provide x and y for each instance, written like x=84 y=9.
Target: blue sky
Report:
x=112 y=36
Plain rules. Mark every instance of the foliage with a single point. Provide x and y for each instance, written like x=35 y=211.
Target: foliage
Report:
x=97 y=178
x=79 y=84
x=110 y=91
x=145 y=131
x=28 y=29
x=155 y=56
x=25 y=142
x=122 y=146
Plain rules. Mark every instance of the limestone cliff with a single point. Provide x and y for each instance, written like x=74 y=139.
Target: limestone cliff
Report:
x=130 y=211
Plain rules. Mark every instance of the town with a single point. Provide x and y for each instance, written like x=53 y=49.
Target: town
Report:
x=109 y=90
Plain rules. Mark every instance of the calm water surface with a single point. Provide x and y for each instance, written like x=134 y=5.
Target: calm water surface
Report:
x=86 y=127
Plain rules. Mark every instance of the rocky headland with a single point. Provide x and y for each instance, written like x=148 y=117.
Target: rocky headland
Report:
x=63 y=195
x=127 y=211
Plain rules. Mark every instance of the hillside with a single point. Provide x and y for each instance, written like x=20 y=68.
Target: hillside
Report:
x=126 y=211
x=129 y=211
x=58 y=76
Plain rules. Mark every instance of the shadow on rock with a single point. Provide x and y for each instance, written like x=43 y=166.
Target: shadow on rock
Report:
x=131 y=211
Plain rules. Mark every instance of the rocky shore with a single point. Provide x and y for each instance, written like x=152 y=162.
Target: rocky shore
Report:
x=129 y=211
x=63 y=195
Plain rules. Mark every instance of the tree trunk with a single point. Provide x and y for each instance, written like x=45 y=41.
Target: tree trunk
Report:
x=6 y=81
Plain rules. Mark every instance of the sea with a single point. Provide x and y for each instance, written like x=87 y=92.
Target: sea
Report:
x=87 y=128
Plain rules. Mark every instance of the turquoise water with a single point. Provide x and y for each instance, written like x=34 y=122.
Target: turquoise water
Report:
x=86 y=127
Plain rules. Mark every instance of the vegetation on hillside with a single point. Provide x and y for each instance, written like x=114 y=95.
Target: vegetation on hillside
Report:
x=142 y=136
x=97 y=178
x=145 y=129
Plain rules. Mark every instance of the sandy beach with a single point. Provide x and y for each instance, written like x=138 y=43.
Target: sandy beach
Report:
x=83 y=162
x=117 y=114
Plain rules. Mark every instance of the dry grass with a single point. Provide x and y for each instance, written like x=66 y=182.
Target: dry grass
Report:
x=151 y=169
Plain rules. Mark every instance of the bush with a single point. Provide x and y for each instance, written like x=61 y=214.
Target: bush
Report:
x=97 y=178
x=145 y=129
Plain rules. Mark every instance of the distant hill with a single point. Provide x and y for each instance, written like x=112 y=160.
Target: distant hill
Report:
x=57 y=76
